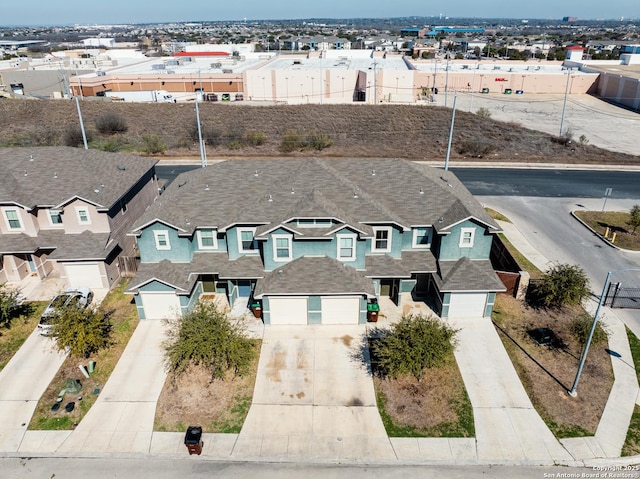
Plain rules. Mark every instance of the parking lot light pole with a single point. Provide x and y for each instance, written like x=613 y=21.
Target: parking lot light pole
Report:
x=573 y=391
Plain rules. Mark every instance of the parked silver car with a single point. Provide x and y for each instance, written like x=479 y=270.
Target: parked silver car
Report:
x=81 y=297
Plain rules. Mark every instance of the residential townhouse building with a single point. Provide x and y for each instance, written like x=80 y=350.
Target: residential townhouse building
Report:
x=314 y=241
x=66 y=212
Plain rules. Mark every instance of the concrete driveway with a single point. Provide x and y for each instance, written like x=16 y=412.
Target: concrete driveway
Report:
x=313 y=399
x=22 y=381
x=508 y=428
x=121 y=420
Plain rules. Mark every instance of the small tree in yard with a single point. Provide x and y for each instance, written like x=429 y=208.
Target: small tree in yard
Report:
x=82 y=331
x=207 y=337
x=563 y=284
x=9 y=305
x=634 y=220
x=412 y=345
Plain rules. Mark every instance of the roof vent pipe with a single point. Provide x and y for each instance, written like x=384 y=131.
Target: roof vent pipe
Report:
x=270 y=198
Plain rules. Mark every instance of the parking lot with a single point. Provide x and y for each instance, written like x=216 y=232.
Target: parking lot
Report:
x=603 y=124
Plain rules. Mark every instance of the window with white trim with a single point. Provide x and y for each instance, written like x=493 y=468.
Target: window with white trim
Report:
x=246 y=240
x=381 y=242
x=55 y=217
x=467 y=236
x=83 y=215
x=162 y=239
x=13 y=219
x=421 y=237
x=282 y=247
x=207 y=239
x=346 y=247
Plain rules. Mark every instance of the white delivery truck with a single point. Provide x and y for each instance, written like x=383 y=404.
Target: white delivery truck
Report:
x=151 y=96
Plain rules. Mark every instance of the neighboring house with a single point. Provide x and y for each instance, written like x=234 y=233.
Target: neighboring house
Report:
x=314 y=240
x=67 y=211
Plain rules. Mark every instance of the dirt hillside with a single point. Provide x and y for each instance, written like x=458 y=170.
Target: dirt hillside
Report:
x=404 y=131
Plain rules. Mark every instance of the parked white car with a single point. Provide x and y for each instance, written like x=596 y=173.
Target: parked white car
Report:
x=81 y=297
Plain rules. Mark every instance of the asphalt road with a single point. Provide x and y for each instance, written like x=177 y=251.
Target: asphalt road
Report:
x=193 y=467
x=554 y=183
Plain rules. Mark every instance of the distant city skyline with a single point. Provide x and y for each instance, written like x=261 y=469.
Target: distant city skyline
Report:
x=45 y=12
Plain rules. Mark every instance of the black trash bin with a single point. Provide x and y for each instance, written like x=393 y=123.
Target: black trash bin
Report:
x=193 y=440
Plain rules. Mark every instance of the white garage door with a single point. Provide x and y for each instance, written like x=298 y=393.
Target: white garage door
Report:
x=85 y=275
x=466 y=305
x=160 y=305
x=340 y=309
x=289 y=310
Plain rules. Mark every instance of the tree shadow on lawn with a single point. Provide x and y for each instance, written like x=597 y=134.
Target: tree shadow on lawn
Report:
x=613 y=228
x=561 y=348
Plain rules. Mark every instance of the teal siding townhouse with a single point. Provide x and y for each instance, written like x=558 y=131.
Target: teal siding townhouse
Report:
x=313 y=241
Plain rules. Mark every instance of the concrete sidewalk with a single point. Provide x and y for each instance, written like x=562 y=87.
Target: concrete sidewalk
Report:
x=612 y=429
x=508 y=428
x=121 y=420
x=23 y=381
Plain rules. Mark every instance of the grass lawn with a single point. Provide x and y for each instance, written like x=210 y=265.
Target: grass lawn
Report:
x=125 y=320
x=14 y=335
x=219 y=406
x=548 y=373
x=631 y=445
x=616 y=221
x=437 y=406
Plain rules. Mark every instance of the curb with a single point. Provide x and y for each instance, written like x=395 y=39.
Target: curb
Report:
x=602 y=238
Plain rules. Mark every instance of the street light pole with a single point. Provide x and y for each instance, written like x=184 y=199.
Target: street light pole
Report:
x=573 y=391
x=453 y=118
x=564 y=104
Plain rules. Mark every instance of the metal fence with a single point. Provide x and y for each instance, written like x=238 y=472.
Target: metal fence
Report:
x=621 y=297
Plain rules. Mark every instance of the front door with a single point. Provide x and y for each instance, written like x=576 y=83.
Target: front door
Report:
x=32 y=264
x=244 y=289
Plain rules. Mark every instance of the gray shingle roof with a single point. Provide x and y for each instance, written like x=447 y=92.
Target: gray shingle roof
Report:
x=314 y=275
x=384 y=266
x=49 y=176
x=185 y=275
x=468 y=276
x=400 y=191
x=86 y=245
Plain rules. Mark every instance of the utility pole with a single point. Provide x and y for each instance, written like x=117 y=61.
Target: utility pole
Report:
x=84 y=134
x=453 y=119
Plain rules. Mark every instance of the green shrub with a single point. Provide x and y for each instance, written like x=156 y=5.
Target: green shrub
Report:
x=255 y=138
x=562 y=284
x=318 y=141
x=207 y=337
x=581 y=326
x=110 y=123
x=483 y=112
x=112 y=145
x=82 y=331
x=9 y=305
x=412 y=345
x=477 y=147
x=152 y=144
x=291 y=140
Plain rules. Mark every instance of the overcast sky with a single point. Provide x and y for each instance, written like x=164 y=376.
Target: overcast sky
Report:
x=69 y=12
